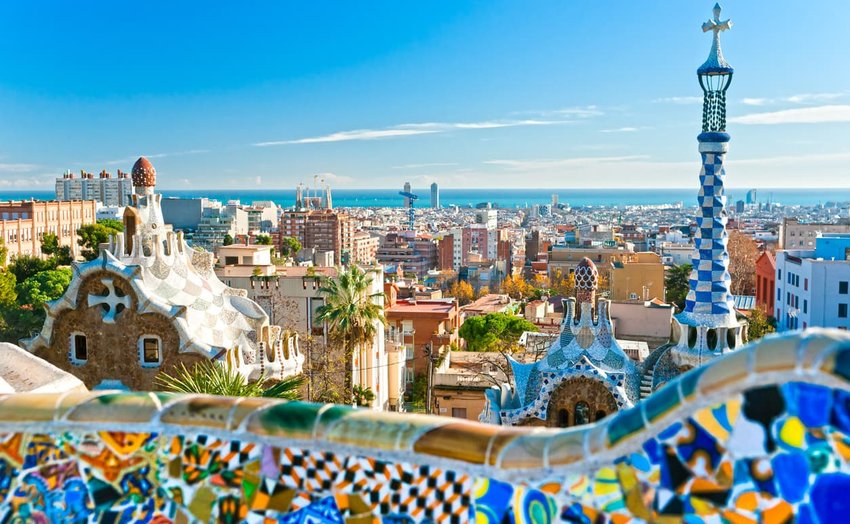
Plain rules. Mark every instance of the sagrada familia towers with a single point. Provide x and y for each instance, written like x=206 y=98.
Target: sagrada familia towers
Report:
x=585 y=375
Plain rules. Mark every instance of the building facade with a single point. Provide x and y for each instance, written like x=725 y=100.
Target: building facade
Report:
x=637 y=276
x=323 y=230
x=23 y=224
x=109 y=191
x=794 y=234
x=151 y=303
x=813 y=286
x=766 y=282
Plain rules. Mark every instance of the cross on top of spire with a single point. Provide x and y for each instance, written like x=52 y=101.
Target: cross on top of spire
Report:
x=716 y=64
x=716 y=24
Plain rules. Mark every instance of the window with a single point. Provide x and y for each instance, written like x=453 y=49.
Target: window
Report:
x=150 y=351
x=459 y=412
x=805 y=284
x=842 y=310
x=633 y=296
x=805 y=306
x=79 y=349
x=842 y=287
x=408 y=375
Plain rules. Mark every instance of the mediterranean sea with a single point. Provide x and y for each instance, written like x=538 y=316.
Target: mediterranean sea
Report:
x=504 y=198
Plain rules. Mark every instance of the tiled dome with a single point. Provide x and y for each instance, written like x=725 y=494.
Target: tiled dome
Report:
x=586 y=274
x=144 y=174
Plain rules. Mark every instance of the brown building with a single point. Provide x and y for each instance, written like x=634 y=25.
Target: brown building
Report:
x=23 y=224
x=637 y=276
x=323 y=230
x=417 y=255
x=446 y=251
x=766 y=281
x=420 y=323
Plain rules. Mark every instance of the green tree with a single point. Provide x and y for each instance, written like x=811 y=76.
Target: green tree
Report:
x=4 y=253
x=63 y=256
x=25 y=266
x=263 y=240
x=210 y=378
x=43 y=287
x=760 y=324
x=289 y=246
x=493 y=331
x=49 y=244
x=677 y=282
x=92 y=235
x=228 y=240
x=112 y=223
x=353 y=313
x=8 y=291
x=363 y=396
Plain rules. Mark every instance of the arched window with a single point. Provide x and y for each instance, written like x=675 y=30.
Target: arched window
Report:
x=600 y=415
x=563 y=418
x=582 y=413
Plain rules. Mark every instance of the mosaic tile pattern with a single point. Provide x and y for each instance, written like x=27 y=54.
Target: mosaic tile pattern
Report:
x=761 y=435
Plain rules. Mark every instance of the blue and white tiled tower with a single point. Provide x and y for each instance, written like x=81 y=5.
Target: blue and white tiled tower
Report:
x=709 y=324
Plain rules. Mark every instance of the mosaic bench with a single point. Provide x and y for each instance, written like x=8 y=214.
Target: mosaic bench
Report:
x=762 y=434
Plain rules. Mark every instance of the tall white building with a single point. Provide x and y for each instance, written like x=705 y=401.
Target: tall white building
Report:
x=813 y=286
x=109 y=191
x=435 y=196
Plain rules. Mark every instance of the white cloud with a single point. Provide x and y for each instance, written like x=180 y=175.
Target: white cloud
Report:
x=335 y=179
x=574 y=112
x=806 y=115
x=550 y=163
x=428 y=164
x=420 y=128
x=679 y=100
x=804 y=98
x=17 y=168
x=622 y=130
x=343 y=136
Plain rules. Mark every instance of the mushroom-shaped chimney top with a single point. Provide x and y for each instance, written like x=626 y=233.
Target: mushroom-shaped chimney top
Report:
x=144 y=174
x=586 y=274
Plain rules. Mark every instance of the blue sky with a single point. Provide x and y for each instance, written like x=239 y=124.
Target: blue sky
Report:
x=372 y=94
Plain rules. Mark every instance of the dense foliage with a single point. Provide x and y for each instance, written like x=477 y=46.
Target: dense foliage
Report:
x=494 y=331
x=91 y=236
x=677 y=285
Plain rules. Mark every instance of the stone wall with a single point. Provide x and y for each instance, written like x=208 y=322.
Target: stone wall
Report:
x=113 y=349
x=762 y=434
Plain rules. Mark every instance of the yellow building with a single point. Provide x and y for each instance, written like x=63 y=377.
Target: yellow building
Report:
x=636 y=276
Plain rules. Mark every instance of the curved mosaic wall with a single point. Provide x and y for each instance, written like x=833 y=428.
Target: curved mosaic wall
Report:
x=760 y=435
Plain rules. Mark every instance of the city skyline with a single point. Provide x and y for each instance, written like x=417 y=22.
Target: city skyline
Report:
x=479 y=95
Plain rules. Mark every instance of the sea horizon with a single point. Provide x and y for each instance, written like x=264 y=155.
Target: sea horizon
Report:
x=498 y=197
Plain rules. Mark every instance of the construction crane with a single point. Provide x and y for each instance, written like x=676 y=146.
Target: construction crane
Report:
x=411 y=217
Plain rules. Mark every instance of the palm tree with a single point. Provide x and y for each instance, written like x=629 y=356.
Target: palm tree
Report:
x=210 y=378
x=354 y=314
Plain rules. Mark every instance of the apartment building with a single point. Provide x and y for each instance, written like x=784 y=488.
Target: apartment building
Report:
x=24 y=223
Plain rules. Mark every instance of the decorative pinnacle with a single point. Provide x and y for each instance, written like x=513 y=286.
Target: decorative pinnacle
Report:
x=716 y=64
x=716 y=24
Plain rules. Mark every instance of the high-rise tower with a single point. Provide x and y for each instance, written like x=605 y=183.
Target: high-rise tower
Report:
x=435 y=196
x=709 y=325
